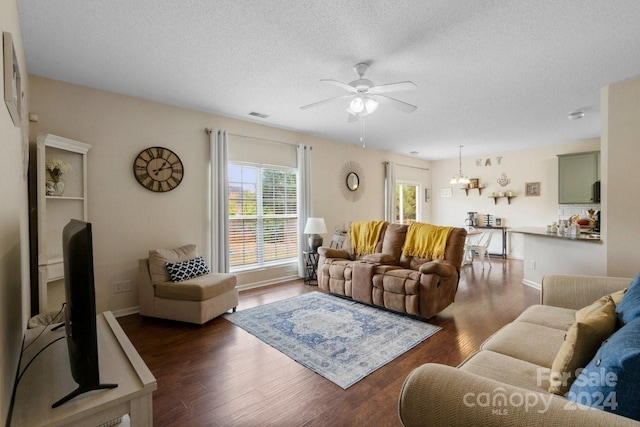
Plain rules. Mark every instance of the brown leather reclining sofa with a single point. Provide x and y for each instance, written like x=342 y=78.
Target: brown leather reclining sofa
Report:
x=386 y=278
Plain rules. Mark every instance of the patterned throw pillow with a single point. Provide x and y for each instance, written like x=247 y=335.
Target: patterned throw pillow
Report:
x=185 y=270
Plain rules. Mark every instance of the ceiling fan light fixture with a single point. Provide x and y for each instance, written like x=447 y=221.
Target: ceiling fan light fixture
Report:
x=370 y=105
x=362 y=105
x=357 y=105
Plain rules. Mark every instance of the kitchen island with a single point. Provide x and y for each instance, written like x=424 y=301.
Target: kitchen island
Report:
x=549 y=253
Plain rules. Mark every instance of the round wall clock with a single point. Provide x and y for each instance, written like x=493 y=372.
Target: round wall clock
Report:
x=158 y=169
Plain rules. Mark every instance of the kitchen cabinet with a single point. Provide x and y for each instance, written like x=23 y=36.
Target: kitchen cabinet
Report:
x=55 y=211
x=577 y=172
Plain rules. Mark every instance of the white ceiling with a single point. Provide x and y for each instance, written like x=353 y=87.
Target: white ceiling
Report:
x=492 y=75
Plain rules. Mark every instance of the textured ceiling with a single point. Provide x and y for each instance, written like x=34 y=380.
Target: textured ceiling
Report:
x=491 y=75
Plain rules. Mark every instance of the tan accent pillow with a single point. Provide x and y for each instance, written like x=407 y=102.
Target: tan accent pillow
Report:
x=581 y=343
x=158 y=257
x=585 y=311
x=617 y=296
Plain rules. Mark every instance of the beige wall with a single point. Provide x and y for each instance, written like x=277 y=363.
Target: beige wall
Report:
x=621 y=151
x=129 y=220
x=14 y=226
x=522 y=166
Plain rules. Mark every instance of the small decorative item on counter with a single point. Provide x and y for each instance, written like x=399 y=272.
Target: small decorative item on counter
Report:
x=553 y=227
x=56 y=168
x=488 y=220
x=561 y=229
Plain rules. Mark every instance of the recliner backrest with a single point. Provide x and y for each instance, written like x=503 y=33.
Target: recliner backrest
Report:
x=348 y=247
x=453 y=253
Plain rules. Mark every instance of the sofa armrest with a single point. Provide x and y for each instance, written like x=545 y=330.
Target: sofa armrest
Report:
x=333 y=253
x=440 y=395
x=379 y=259
x=575 y=292
x=441 y=268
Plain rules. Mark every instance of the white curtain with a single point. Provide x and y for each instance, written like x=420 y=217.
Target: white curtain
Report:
x=303 y=155
x=219 y=209
x=390 y=192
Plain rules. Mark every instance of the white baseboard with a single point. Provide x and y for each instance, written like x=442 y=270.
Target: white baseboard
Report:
x=134 y=310
x=531 y=284
x=266 y=282
x=126 y=311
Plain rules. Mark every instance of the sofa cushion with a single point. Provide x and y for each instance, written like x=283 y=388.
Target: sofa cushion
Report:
x=540 y=346
x=398 y=281
x=580 y=345
x=611 y=381
x=508 y=370
x=393 y=240
x=549 y=316
x=158 y=258
x=185 y=270
x=198 y=289
x=629 y=307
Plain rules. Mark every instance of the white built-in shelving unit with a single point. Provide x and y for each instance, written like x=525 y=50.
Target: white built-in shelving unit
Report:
x=54 y=212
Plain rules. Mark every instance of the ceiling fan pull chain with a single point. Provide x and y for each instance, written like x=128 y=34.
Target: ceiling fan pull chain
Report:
x=362 y=131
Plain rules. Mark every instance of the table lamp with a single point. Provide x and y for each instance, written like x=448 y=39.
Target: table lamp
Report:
x=314 y=227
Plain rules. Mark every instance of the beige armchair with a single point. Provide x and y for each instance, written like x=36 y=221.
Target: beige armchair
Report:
x=195 y=300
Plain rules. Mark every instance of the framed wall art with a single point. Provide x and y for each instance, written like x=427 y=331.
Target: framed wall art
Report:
x=12 y=82
x=532 y=189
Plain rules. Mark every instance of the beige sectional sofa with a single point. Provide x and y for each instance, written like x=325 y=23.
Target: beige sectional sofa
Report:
x=506 y=382
x=388 y=278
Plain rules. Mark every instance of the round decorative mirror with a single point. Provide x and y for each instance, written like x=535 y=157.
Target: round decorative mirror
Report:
x=353 y=182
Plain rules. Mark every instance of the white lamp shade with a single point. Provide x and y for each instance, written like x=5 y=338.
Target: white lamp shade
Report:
x=315 y=226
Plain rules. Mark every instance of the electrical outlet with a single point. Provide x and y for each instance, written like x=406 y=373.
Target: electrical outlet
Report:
x=533 y=265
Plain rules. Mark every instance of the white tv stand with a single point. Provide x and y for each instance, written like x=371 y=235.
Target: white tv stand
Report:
x=49 y=378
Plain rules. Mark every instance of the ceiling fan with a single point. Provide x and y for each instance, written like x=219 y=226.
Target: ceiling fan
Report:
x=366 y=95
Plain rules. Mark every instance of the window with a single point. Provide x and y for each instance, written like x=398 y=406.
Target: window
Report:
x=407 y=202
x=263 y=216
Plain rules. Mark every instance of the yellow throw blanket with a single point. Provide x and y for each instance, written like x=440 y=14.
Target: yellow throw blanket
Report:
x=426 y=240
x=364 y=236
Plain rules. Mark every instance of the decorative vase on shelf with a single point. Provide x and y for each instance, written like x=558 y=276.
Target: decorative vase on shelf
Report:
x=50 y=188
x=59 y=186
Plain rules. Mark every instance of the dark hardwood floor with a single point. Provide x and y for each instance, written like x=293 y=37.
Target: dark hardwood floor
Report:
x=220 y=375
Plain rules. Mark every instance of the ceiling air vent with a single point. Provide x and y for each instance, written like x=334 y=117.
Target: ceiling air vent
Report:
x=262 y=116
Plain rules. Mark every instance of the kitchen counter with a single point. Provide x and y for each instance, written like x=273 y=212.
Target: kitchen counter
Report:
x=548 y=253
x=542 y=231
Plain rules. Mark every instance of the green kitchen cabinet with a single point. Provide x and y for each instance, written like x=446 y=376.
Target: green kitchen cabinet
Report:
x=577 y=172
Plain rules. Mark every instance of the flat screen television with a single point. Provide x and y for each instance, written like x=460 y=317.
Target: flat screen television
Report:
x=80 y=310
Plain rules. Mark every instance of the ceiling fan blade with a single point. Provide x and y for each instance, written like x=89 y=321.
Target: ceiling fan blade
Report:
x=394 y=87
x=326 y=101
x=400 y=105
x=340 y=84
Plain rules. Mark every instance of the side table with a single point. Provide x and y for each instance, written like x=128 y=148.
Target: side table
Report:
x=311 y=267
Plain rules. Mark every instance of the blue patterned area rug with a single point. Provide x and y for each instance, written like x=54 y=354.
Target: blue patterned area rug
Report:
x=342 y=340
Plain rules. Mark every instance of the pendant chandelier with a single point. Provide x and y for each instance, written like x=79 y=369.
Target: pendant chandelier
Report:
x=460 y=178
